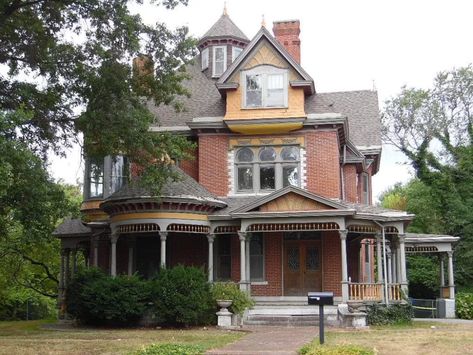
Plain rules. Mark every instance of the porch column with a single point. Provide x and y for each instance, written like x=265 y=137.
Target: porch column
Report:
x=390 y=267
x=243 y=281
x=163 y=236
x=131 y=254
x=74 y=262
x=451 y=284
x=402 y=252
x=95 y=243
x=343 y=243
x=113 y=265
x=394 y=264
x=62 y=272
x=379 y=265
x=247 y=259
x=67 y=270
x=442 y=273
x=211 y=238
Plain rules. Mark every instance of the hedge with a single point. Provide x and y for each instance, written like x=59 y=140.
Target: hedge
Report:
x=464 y=305
x=379 y=314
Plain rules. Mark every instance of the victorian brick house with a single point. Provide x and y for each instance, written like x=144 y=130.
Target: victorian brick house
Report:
x=278 y=196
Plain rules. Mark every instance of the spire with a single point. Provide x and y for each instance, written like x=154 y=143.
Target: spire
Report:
x=225 y=12
x=263 y=21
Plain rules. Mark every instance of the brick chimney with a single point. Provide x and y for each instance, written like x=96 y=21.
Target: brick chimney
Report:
x=287 y=33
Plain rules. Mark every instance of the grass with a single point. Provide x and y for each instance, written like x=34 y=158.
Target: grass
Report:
x=27 y=337
x=417 y=338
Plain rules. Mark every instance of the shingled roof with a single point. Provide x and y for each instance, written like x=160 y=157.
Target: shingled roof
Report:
x=72 y=228
x=224 y=27
x=184 y=187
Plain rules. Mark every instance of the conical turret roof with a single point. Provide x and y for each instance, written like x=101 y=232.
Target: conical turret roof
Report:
x=225 y=27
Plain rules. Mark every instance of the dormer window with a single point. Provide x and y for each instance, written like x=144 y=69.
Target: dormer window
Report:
x=236 y=52
x=205 y=58
x=265 y=86
x=219 y=60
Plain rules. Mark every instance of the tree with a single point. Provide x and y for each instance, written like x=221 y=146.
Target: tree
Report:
x=68 y=69
x=434 y=129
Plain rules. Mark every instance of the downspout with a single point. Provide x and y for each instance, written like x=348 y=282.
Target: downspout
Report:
x=386 y=294
x=342 y=174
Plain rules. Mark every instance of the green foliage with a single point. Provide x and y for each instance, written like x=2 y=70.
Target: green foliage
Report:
x=181 y=296
x=171 y=349
x=19 y=303
x=379 y=314
x=423 y=275
x=95 y=298
x=315 y=348
x=231 y=291
x=464 y=305
x=434 y=129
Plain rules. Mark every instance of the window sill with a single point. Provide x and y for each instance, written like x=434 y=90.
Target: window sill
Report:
x=266 y=108
x=259 y=283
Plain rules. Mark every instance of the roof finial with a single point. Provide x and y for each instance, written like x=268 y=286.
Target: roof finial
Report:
x=263 y=21
x=225 y=12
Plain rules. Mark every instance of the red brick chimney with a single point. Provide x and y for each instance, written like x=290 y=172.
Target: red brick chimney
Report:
x=287 y=33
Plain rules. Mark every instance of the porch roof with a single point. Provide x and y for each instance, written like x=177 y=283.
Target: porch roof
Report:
x=72 y=228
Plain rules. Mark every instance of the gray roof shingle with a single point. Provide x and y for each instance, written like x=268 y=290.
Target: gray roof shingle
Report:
x=72 y=227
x=224 y=27
x=361 y=109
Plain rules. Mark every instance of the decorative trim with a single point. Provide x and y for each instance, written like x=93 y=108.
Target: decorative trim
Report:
x=138 y=228
x=159 y=215
x=286 y=227
x=188 y=228
x=421 y=249
x=361 y=228
x=274 y=141
x=227 y=229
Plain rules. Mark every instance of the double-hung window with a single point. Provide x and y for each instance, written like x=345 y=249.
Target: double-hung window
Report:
x=205 y=58
x=365 y=195
x=264 y=87
x=236 y=52
x=219 y=60
x=256 y=257
x=267 y=168
x=95 y=175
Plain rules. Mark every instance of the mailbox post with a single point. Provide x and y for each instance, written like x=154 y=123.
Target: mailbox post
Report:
x=321 y=299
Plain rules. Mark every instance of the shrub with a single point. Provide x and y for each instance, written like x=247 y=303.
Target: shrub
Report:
x=18 y=303
x=379 y=314
x=464 y=305
x=231 y=291
x=316 y=349
x=95 y=298
x=171 y=349
x=181 y=296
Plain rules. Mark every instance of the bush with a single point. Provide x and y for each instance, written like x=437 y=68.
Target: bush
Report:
x=181 y=296
x=231 y=291
x=464 y=305
x=171 y=349
x=316 y=349
x=379 y=314
x=95 y=298
x=21 y=304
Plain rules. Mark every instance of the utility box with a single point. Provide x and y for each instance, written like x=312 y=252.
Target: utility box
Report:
x=320 y=298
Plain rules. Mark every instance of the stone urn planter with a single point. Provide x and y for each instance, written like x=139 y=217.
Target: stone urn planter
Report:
x=224 y=304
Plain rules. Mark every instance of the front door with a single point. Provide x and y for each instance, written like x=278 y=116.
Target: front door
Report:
x=302 y=267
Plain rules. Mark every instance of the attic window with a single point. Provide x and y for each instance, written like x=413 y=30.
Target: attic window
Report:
x=205 y=58
x=236 y=52
x=265 y=87
x=219 y=60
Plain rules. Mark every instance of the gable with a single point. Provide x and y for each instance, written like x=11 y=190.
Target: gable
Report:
x=293 y=202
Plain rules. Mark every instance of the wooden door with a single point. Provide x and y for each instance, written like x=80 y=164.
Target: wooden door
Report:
x=302 y=267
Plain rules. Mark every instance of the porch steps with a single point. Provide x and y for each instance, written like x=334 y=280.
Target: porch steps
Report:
x=288 y=314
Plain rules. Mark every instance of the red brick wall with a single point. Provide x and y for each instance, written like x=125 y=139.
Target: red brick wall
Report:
x=350 y=176
x=213 y=170
x=332 y=271
x=272 y=266
x=191 y=167
x=323 y=163
x=186 y=249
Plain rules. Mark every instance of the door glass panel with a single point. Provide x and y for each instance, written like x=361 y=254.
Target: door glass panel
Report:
x=293 y=259
x=312 y=259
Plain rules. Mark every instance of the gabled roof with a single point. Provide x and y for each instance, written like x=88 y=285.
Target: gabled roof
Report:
x=224 y=27
x=263 y=33
x=330 y=204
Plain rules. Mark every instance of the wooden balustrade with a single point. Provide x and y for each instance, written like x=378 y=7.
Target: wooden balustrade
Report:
x=373 y=292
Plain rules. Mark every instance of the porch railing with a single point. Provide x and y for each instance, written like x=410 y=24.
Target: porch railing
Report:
x=373 y=291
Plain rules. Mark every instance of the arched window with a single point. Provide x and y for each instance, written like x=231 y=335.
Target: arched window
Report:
x=268 y=168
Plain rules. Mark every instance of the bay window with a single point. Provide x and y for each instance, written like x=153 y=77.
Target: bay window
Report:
x=268 y=168
x=264 y=86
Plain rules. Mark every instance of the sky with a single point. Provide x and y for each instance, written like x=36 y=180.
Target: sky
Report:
x=345 y=45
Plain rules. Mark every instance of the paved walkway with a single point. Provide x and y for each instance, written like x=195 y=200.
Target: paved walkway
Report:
x=270 y=340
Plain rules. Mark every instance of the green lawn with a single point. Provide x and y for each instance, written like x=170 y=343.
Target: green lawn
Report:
x=27 y=337
x=418 y=338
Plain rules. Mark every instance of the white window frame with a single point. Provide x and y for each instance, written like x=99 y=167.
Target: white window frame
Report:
x=205 y=58
x=264 y=71
x=256 y=164
x=365 y=194
x=236 y=51
x=214 y=53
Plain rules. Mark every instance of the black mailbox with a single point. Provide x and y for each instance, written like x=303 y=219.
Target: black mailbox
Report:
x=320 y=298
